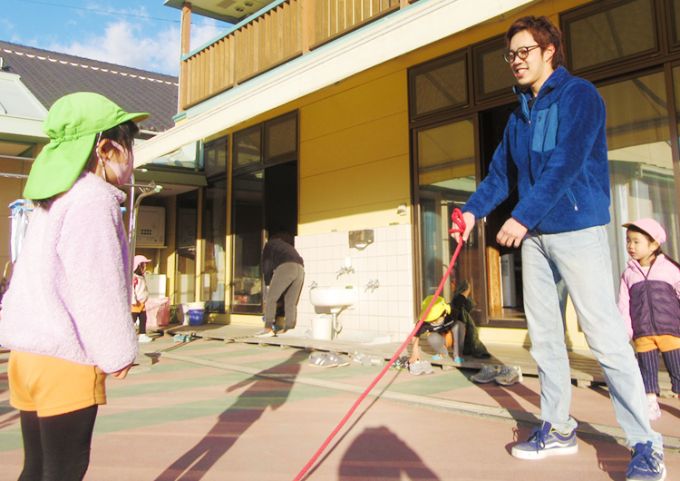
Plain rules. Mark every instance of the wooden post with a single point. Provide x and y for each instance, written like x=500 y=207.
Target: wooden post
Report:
x=185 y=28
x=493 y=281
x=307 y=12
x=185 y=46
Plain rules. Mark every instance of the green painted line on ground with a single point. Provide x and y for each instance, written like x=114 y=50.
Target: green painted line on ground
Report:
x=225 y=405
x=119 y=391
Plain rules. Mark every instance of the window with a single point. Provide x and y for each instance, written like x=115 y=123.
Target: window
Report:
x=640 y=159
x=215 y=157
x=214 y=233
x=439 y=85
x=280 y=136
x=595 y=37
x=248 y=205
x=247 y=148
x=675 y=22
x=185 y=277
x=446 y=178
x=493 y=76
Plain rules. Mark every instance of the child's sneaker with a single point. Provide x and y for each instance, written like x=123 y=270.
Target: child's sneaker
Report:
x=546 y=441
x=646 y=464
x=509 y=375
x=144 y=338
x=420 y=367
x=486 y=374
x=653 y=408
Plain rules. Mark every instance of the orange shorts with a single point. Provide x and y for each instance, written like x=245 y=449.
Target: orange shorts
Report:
x=663 y=343
x=53 y=386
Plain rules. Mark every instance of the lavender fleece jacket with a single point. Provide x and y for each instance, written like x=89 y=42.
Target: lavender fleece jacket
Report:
x=69 y=296
x=648 y=299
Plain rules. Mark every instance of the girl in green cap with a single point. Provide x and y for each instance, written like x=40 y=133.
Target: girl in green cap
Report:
x=66 y=314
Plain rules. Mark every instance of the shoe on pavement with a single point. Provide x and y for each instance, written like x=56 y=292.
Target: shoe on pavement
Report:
x=265 y=333
x=420 y=367
x=546 y=441
x=486 y=374
x=653 y=408
x=509 y=375
x=646 y=464
x=144 y=338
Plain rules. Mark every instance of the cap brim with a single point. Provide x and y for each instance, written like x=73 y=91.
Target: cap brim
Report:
x=57 y=167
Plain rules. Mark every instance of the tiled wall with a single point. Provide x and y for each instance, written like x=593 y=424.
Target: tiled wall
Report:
x=382 y=314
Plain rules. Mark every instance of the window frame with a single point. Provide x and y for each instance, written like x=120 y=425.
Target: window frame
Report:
x=430 y=65
x=579 y=13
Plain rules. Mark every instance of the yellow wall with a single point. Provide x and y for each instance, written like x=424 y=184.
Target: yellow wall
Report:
x=354 y=156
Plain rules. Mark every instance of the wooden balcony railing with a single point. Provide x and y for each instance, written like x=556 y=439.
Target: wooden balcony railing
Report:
x=288 y=29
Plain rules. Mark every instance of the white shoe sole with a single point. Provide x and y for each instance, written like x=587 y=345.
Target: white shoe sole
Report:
x=663 y=476
x=544 y=453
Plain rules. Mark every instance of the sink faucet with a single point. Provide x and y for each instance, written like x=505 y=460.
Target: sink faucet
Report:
x=345 y=270
x=372 y=285
x=313 y=285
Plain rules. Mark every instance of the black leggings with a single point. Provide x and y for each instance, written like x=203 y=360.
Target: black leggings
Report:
x=57 y=448
x=142 y=320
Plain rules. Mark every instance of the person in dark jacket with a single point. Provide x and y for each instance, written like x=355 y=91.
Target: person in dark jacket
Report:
x=461 y=310
x=648 y=300
x=554 y=152
x=284 y=274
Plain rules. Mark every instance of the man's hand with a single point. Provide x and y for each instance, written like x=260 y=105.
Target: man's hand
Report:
x=469 y=220
x=511 y=234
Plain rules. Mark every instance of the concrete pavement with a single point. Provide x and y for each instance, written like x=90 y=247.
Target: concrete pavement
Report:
x=209 y=410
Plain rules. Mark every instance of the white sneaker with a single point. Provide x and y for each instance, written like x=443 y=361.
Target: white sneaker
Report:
x=653 y=408
x=266 y=333
x=144 y=338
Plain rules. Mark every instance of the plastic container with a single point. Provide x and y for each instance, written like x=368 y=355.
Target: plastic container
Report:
x=157 y=312
x=196 y=317
x=322 y=327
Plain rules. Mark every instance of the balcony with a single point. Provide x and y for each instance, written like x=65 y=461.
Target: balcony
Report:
x=283 y=30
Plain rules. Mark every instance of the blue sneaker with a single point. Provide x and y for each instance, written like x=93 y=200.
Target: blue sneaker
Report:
x=646 y=464
x=546 y=441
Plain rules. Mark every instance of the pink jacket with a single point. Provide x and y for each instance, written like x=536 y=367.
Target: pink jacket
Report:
x=69 y=296
x=662 y=272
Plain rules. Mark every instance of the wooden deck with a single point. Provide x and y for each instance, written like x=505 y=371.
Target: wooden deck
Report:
x=585 y=370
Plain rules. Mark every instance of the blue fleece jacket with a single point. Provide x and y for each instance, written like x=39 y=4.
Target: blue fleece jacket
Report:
x=554 y=151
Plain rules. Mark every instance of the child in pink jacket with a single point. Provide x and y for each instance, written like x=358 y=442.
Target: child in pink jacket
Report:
x=648 y=300
x=66 y=315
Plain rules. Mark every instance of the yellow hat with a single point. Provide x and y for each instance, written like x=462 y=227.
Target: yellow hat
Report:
x=439 y=308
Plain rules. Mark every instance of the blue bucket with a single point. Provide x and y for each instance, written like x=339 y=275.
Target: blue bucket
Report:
x=196 y=317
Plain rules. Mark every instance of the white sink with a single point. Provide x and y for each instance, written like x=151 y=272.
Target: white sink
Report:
x=332 y=296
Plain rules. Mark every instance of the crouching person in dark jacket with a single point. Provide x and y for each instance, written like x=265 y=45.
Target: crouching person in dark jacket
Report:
x=284 y=274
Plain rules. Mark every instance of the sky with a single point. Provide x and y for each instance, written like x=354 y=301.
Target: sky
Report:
x=143 y=34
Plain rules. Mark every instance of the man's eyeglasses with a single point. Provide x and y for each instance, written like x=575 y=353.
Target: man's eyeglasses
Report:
x=522 y=53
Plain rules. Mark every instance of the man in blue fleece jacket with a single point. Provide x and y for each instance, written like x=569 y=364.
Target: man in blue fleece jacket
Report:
x=554 y=151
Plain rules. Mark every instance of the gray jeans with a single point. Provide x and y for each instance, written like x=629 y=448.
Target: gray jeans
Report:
x=287 y=281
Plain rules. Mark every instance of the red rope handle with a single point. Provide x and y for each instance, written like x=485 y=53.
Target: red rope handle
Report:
x=458 y=226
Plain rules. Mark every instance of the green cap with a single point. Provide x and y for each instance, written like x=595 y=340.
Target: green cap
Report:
x=72 y=124
x=439 y=308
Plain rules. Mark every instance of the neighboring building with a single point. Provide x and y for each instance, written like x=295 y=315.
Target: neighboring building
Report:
x=32 y=79
x=360 y=129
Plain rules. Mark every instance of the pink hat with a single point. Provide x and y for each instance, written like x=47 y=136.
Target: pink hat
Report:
x=651 y=227
x=139 y=259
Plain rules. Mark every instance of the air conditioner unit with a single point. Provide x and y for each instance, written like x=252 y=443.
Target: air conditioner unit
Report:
x=151 y=226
